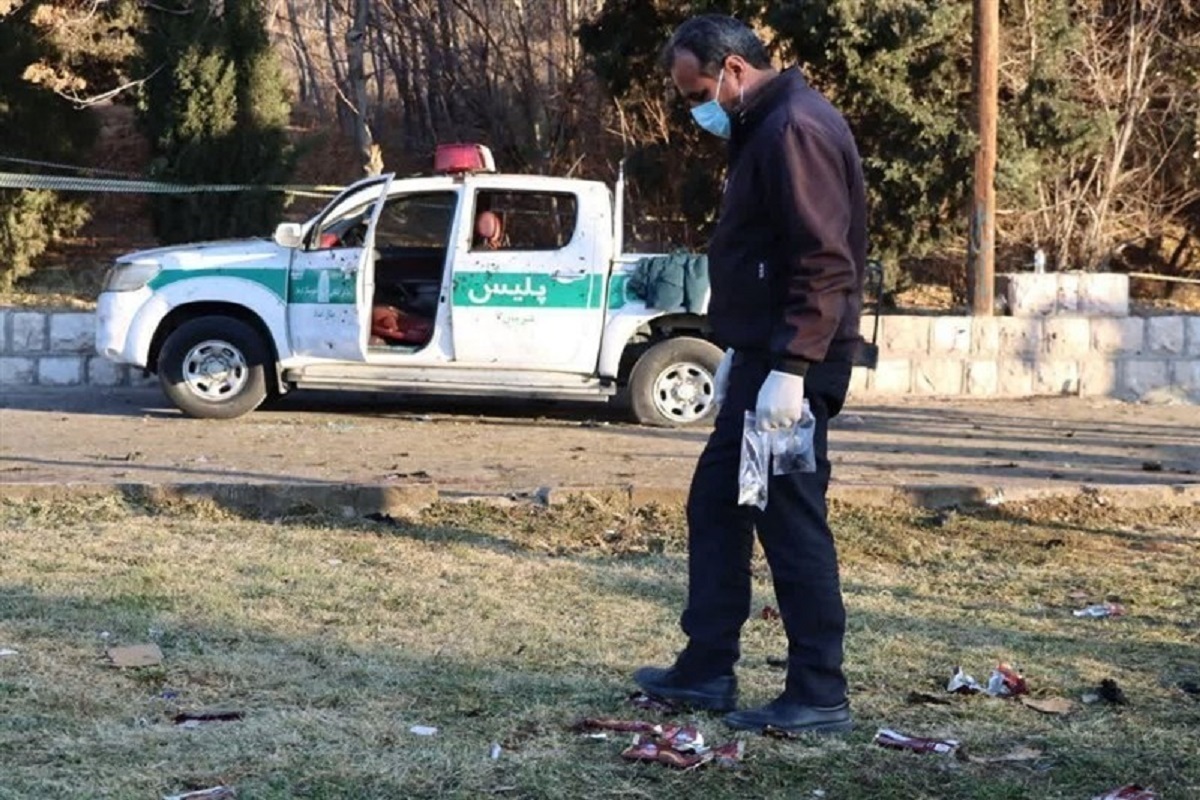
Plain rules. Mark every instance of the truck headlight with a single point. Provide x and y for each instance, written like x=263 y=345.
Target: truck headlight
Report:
x=130 y=277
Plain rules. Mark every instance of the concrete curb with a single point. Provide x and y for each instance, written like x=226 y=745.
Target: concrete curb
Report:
x=400 y=500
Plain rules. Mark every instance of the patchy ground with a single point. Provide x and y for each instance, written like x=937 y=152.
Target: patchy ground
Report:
x=131 y=436
x=502 y=628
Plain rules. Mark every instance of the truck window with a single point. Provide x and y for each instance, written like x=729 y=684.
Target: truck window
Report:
x=509 y=220
x=410 y=220
x=417 y=220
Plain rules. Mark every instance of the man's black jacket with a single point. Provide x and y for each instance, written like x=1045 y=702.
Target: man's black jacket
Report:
x=788 y=257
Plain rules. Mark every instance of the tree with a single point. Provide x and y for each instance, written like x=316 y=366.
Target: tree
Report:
x=1100 y=117
x=37 y=125
x=216 y=112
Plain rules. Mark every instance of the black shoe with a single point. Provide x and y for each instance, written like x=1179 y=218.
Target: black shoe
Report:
x=714 y=694
x=784 y=715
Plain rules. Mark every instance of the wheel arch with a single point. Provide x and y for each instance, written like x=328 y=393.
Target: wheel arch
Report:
x=649 y=333
x=214 y=308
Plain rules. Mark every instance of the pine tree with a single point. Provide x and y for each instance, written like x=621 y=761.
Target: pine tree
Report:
x=216 y=114
x=38 y=125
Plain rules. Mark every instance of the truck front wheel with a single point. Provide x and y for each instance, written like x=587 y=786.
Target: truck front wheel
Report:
x=671 y=385
x=214 y=368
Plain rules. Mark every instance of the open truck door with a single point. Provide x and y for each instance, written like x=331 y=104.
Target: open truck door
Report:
x=331 y=281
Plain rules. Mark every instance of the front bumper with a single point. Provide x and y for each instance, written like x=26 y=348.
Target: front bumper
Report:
x=116 y=336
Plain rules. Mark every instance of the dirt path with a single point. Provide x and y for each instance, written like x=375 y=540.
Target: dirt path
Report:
x=132 y=436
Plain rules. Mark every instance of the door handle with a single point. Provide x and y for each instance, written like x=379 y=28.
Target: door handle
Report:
x=569 y=277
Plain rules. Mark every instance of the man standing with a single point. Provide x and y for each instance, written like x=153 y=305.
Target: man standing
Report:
x=786 y=265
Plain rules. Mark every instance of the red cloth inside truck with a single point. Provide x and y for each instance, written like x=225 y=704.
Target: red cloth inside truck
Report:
x=395 y=326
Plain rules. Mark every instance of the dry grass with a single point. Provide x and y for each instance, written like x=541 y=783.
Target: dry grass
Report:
x=335 y=637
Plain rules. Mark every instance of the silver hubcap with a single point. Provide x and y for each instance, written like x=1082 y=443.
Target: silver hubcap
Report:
x=215 y=370
x=683 y=392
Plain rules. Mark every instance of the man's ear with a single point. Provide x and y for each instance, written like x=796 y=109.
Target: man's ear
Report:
x=736 y=65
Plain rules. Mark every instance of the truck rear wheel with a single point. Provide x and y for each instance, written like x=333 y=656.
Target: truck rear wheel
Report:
x=214 y=368
x=671 y=385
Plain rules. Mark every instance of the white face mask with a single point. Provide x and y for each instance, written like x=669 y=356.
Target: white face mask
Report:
x=711 y=117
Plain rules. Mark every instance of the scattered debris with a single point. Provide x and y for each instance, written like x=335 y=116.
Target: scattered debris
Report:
x=592 y=724
x=1190 y=687
x=8 y=651
x=1129 y=792
x=194 y=719
x=1006 y=682
x=1101 y=611
x=1018 y=755
x=1108 y=691
x=886 y=737
x=1049 y=705
x=138 y=655
x=728 y=755
x=495 y=751
x=678 y=746
x=135 y=455
x=769 y=612
x=778 y=662
x=1152 y=466
x=423 y=730
x=420 y=476
x=646 y=702
x=215 y=793
x=962 y=683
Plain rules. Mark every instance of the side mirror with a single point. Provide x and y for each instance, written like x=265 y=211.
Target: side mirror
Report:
x=289 y=235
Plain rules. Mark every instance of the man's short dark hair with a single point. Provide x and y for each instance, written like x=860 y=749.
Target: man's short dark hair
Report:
x=712 y=38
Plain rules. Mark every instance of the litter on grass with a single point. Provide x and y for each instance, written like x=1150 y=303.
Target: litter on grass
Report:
x=138 y=655
x=215 y=793
x=1101 y=611
x=886 y=737
x=194 y=719
x=1129 y=792
x=1004 y=682
x=677 y=746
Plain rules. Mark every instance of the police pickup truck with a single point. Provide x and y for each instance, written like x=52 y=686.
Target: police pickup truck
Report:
x=467 y=283
x=464 y=283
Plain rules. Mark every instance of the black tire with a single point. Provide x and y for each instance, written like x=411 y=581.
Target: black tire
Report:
x=238 y=356
x=671 y=384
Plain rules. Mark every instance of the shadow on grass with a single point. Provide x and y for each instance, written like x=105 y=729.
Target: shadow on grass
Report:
x=322 y=717
x=328 y=709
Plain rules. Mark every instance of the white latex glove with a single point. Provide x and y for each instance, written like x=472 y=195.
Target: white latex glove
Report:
x=780 y=401
x=721 y=378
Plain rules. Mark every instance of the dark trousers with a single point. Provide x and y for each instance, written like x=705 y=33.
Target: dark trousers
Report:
x=795 y=537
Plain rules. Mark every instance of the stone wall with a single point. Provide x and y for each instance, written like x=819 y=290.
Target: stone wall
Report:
x=1124 y=357
x=56 y=348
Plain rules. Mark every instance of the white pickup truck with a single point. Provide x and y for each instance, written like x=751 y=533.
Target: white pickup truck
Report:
x=464 y=283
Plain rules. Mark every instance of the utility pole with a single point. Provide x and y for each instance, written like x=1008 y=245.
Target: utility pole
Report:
x=981 y=247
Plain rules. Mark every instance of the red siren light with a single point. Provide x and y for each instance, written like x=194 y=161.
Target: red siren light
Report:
x=461 y=158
